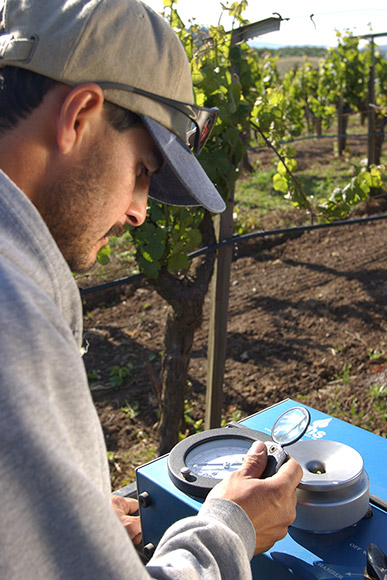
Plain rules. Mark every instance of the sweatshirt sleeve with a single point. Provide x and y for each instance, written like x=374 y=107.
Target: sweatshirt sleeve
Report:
x=218 y=543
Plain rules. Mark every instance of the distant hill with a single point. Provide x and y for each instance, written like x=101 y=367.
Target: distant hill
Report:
x=300 y=51
x=292 y=51
x=382 y=49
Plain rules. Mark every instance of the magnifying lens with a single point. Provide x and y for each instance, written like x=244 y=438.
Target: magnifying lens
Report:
x=290 y=426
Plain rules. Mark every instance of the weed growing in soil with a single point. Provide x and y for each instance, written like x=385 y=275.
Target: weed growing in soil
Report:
x=119 y=374
x=379 y=394
x=345 y=378
x=131 y=410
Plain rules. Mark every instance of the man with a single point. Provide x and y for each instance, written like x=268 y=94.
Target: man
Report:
x=93 y=114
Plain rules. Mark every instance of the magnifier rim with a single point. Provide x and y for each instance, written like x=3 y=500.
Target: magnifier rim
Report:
x=307 y=416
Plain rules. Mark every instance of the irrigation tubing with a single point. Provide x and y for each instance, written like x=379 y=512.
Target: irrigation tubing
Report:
x=240 y=238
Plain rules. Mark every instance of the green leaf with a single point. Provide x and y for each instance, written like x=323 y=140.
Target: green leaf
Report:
x=103 y=256
x=150 y=269
x=156 y=211
x=154 y=249
x=234 y=93
x=280 y=183
x=178 y=262
x=281 y=168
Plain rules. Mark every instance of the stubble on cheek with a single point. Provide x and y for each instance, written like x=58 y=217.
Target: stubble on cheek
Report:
x=72 y=205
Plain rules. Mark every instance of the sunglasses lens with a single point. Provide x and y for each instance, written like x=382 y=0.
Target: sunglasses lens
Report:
x=205 y=131
x=197 y=137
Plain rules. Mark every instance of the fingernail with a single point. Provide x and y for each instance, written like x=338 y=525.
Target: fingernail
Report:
x=257 y=448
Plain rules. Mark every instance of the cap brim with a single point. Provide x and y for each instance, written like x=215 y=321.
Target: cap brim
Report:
x=182 y=181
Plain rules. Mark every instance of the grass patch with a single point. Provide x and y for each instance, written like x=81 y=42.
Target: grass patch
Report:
x=319 y=182
x=256 y=192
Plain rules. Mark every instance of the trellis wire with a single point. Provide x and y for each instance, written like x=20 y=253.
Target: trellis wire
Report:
x=236 y=239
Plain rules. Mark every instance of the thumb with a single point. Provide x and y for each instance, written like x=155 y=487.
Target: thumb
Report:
x=255 y=461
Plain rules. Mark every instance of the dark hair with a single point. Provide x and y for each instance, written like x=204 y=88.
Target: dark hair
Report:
x=21 y=91
x=119 y=118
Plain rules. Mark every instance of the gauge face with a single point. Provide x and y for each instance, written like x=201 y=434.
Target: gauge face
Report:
x=200 y=461
x=216 y=458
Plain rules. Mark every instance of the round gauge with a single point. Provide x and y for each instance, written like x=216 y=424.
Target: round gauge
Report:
x=200 y=461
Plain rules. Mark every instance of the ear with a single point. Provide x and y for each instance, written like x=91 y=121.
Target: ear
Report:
x=81 y=109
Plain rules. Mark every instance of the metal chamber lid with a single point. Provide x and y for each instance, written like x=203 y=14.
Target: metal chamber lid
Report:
x=334 y=490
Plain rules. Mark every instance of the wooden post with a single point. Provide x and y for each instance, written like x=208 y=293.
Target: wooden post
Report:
x=373 y=153
x=220 y=284
x=341 y=127
x=371 y=110
x=217 y=339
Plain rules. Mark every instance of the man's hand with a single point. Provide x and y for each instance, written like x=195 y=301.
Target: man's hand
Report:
x=124 y=508
x=270 y=503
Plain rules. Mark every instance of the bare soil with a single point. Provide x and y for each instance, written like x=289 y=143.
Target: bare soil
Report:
x=307 y=320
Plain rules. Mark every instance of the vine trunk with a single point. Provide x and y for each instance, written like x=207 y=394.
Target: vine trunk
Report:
x=185 y=296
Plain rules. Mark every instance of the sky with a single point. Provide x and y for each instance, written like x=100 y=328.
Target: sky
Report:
x=301 y=28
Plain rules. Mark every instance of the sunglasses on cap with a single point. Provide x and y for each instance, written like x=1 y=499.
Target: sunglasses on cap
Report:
x=203 y=118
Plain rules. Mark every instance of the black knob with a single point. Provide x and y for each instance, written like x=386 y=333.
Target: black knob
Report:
x=145 y=499
x=149 y=550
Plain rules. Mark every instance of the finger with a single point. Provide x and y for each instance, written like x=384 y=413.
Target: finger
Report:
x=137 y=539
x=290 y=472
x=133 y=527
x=255 y=461
x=127 y=505
x=131 y=505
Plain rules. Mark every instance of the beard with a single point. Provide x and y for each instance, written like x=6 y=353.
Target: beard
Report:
x=71 y=204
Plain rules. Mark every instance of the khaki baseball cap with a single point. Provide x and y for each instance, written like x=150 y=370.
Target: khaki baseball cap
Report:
x=136 y=57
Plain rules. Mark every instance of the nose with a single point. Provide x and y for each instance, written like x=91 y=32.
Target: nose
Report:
x=136 y=214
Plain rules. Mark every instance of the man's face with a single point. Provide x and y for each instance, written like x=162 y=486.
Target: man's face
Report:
x=86 y=202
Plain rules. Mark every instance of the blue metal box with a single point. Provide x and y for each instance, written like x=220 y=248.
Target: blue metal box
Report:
x=301 y=555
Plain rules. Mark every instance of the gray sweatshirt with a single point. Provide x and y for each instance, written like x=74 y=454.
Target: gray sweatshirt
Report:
x=56 y=521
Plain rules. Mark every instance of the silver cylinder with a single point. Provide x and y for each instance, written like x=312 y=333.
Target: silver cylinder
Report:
x=334 y=491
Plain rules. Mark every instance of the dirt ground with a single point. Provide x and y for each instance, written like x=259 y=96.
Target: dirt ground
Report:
x=307 y=320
